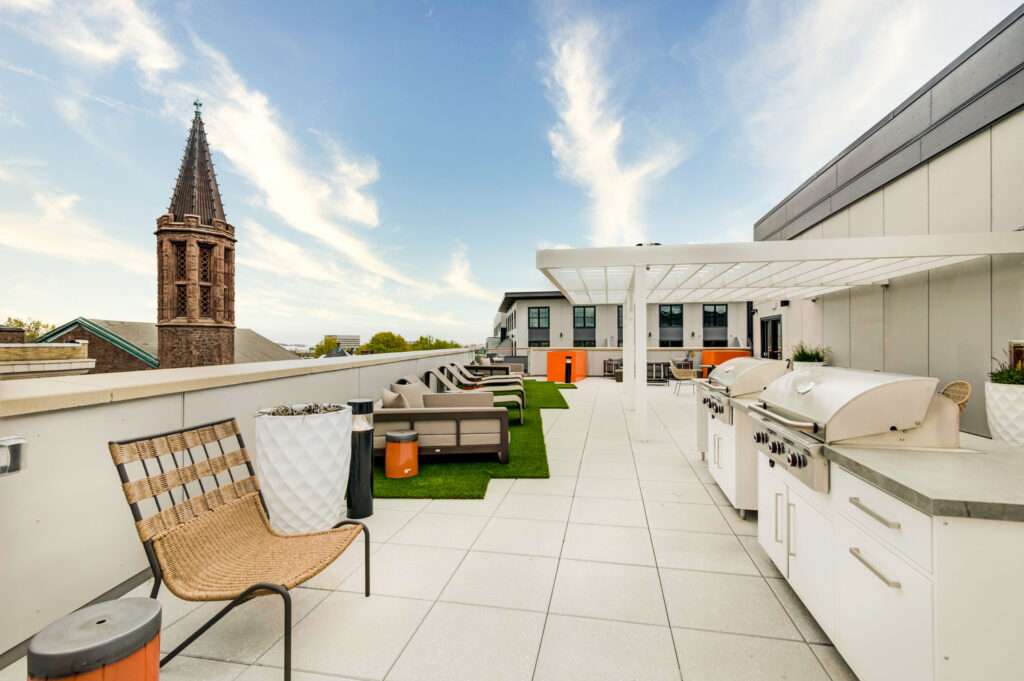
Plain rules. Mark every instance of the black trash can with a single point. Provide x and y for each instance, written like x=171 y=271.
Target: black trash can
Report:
x=360 y=472
x=120 y=637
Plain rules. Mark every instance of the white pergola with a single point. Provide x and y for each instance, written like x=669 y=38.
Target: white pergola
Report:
x=746 y=271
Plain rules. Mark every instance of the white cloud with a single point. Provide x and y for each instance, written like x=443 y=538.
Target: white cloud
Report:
x=588 y=139
x=812 y=77
x=460 y=278
x=56 y=229
x=548 y=245
x=101 y=32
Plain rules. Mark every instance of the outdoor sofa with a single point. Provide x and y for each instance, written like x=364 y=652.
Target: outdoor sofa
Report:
x=448 y=423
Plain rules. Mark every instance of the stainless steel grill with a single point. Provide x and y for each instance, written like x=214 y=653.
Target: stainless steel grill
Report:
x=738 y=377
x=802 y=410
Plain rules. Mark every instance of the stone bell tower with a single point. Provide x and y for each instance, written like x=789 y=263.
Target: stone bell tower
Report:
x=195 y=249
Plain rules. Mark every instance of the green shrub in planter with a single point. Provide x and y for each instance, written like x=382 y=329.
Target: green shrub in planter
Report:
x=1007 y=374
x=809 y=353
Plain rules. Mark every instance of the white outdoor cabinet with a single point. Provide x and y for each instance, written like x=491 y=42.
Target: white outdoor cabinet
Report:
x=903 y=595
x=733 y=459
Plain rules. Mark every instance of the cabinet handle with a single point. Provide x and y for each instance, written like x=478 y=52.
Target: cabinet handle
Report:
x=891 y=524
x=790 y=515
x=778 y=497
x=892 y=584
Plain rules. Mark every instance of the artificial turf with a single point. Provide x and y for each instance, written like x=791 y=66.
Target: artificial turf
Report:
x=466 y=476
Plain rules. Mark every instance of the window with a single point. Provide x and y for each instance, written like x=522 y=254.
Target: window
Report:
x=204 y=302
x=205 y=263
x=620 y=319
x=716 y=315
x=584 y=343
x=180 y=266
x=583 y=318
x=670 y=343
x=540 y=344
x=670 y=315
x=539 y=318
x=181 y=307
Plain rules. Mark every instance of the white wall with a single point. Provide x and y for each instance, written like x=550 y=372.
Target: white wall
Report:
x=947 y=323
x=66 y=533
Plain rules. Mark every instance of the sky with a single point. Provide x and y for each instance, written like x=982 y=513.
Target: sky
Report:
x=395 y=165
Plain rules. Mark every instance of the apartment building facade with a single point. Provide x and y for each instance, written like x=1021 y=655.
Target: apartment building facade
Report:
x=542 y=319
x=948 y=160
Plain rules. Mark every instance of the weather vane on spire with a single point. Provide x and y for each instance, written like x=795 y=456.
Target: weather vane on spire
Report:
x=198 y=105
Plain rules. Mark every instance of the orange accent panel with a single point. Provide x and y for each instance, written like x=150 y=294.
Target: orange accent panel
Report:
x=716 y=357
x=401 y=459
x=556 y=365
x=142 y=665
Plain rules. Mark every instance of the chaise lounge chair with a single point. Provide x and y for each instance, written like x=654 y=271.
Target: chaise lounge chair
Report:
x=448 y=387
x=461 y=376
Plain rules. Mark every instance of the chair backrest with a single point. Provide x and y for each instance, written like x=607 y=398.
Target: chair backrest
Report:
x=442 y=379
x=959 y=392
x=458 y=373
x=171 y=478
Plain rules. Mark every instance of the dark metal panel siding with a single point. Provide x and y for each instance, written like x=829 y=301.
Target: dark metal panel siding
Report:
x=819 y=188
x=981 y=113
x=906 y=125
x=1000 y=56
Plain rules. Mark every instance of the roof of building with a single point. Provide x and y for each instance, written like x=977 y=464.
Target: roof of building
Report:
x=196 y=192
x=512 y=296
x=139 y=339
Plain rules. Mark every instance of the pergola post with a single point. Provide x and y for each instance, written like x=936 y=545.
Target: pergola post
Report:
x=640 y=351
x=628 y=349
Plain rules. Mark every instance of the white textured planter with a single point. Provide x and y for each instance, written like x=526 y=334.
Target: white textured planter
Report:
x=805 y=365
x=302 y=463
x=1004 y=405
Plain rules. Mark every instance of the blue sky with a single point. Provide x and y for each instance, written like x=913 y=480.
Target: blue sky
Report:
x=395 y=165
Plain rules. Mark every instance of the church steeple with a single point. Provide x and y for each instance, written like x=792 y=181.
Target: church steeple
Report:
x=196 y=192
x=195 y=265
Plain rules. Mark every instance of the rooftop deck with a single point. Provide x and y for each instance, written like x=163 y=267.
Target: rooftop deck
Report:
x=627 y=563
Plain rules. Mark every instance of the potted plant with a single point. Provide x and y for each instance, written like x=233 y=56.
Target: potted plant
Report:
x=302 y=459
x=1004 y=402
x=808 y=355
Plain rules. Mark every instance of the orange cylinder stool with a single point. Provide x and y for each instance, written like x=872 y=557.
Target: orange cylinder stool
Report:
x=113 y=641
x=401 y=454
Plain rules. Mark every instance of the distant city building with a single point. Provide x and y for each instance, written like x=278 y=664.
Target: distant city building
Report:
x=19 y=359
x=195 y=265
x=347 y=342
x=133 y=346
x=297 y=348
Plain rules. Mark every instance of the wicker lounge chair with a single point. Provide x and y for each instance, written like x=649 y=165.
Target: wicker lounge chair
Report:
x=959 y=392
x=447 y=386
x=681 y=375
x=204 y=525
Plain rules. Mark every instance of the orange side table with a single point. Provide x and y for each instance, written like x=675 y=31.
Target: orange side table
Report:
x=401 y=454
x=114 y=641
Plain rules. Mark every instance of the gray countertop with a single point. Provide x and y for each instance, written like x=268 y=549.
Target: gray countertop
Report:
x=982 y=479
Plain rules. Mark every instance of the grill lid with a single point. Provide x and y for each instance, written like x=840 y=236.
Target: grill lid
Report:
x=850 y=403
x=746 y=375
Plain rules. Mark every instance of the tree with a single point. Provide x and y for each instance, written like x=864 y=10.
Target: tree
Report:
x=33 y=327
x=326 y=346
x=431 y=343
x=382 y=342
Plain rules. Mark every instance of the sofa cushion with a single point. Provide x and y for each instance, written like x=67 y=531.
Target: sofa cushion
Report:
x=457 y=400
x=393 y=400
x=413 y=393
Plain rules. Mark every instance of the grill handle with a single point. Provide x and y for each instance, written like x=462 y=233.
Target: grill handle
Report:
x=809 y=426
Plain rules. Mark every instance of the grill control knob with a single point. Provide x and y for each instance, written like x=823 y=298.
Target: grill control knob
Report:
x=773 y=447
x=793 y=460
x=803 y=461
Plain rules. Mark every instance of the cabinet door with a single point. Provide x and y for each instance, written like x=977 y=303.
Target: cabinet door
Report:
x=883 y=609
x=771 y=514
x=726 y=468
x=714 y=450
x=812 y=572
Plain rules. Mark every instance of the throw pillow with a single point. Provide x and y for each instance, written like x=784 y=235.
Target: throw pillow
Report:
x=413 y=393
x=393 y=400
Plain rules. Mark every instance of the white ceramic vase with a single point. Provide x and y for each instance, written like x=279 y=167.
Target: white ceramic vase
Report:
x=806 y=365
x=302 y=463
x=1004 y=406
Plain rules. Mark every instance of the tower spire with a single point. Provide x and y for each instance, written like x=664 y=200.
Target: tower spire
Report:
x=196 y=192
